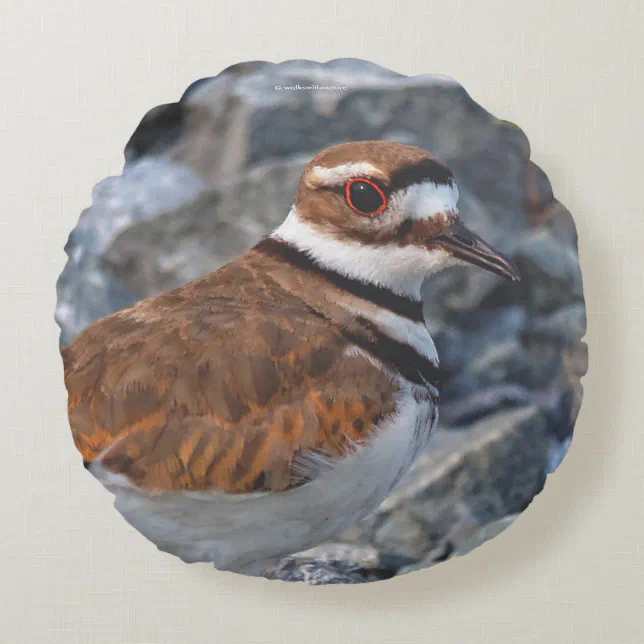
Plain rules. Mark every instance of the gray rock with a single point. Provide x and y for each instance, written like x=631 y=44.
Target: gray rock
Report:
x=365 y=555
x=468 y=409
x=318 y=572
x=198 y=237
x=556 y=218
x=87 y=288
x=478 y=538
x=401 y=533
x=566 y=326
x=467 y=479
x=485 y=533
x=550 y=271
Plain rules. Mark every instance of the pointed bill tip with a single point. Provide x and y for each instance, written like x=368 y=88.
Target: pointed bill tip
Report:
x=467 y=246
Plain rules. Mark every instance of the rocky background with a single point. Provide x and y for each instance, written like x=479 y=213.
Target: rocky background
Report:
x=206 y=177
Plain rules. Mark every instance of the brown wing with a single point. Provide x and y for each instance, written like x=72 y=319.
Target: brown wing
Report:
x=195 y=391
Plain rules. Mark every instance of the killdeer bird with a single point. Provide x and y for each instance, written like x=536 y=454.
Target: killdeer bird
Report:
x=263 y=408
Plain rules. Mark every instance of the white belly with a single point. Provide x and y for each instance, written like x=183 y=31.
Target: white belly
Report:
x=248 y=532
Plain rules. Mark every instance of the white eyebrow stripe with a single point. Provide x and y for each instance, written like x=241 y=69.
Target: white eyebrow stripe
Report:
x=321 y=176
x=425 y=199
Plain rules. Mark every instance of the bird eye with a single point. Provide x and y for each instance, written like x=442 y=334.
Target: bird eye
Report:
x=365 y=197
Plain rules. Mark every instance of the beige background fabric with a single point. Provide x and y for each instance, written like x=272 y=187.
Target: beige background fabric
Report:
x=76 y=79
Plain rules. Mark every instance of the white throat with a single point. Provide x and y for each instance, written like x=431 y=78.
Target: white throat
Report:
x=402 y=269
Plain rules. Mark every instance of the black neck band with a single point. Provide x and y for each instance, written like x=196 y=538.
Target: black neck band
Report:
x=379 y=295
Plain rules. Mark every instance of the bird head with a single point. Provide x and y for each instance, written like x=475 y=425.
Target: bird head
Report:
x=384 y=213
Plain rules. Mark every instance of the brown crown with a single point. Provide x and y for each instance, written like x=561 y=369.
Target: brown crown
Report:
x=398 y=166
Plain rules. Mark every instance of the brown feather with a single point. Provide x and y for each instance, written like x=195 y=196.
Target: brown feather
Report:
x=222 y=383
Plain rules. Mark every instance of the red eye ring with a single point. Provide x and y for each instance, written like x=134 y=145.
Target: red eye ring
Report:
x=365 y=213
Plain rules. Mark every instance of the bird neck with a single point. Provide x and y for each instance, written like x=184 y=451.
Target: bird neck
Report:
x=352 y=289
x=368 y=313
x=400 y=270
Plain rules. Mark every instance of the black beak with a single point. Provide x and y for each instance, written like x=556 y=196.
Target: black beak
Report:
x=468 y=246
